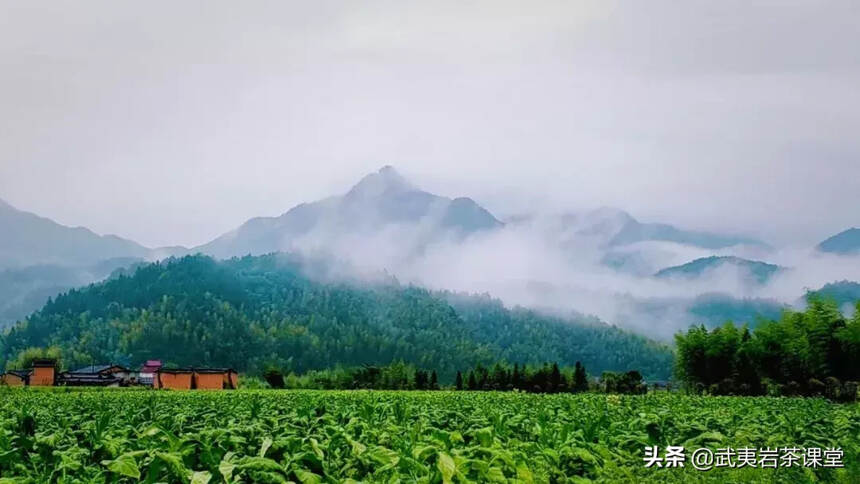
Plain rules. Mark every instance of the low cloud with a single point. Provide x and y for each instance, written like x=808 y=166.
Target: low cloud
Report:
x=560 y=268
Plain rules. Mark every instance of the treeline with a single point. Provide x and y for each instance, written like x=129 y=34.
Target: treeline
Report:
x=546 y=378
x=402 y=376
x=396 y=376
x=254 y=313
x=537 y=379
x=813 y=352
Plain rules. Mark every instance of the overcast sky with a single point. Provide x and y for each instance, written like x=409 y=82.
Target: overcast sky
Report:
x=173 y=122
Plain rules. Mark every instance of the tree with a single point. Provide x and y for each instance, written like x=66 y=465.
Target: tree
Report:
x=472 y=383
x=555 y=379
x=580 y=378
x=459 y=381
x=24 y=359
x=848 y=338
x=807 y=353
x=420 y=380
x=516 y=378
x=274 y=378
x=746 y=375
x=434 y=381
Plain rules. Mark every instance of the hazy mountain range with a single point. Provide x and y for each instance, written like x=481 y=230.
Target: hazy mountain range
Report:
x=382 y=199
x=29 y=239
x=657 y=272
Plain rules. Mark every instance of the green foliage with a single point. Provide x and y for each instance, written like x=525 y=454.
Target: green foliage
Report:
x=24 y=358
x=248 y=436
x=274 y=378
x=396 y=376
x=536 y=379
x=793 y=355
x=256 y=313
x=628 y=383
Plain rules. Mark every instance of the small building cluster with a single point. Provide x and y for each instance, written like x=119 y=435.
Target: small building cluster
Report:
x=151 y=374
x=196 y=379
x=43 y=373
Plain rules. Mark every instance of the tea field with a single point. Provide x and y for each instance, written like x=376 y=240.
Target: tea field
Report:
x=55 y=435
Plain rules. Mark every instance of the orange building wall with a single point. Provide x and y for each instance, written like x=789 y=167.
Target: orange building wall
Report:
x=42 y=376
x=13 y=380
x=209 y=381
x=175 y=381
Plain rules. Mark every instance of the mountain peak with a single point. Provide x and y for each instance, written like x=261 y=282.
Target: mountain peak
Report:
x=385 y=180
x=759 y=272
x=845 y=243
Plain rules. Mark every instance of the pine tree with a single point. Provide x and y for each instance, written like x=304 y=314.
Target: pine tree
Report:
x=459 y=381
x=580 y=378
x=555 y=379
x=420 y=380
x=434 y=381
x=472 y=384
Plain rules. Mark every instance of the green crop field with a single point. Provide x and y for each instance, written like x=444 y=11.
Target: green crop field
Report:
x=321 y=436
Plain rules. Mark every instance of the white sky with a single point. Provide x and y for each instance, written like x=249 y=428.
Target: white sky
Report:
x=173 y=122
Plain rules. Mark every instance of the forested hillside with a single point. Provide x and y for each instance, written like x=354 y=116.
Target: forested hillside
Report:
x=842 y=292
x=256 y=312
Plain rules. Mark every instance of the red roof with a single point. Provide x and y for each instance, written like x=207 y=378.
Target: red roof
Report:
x=151 y=366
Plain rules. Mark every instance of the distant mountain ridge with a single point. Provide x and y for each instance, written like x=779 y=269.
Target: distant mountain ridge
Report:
x=384 y=220
x=760 y=272
x=381 y=199
x=616 y=228
x=26 y=289
x=40 y=258
x=634 y=231
x=845 y=243
x=29 y=239
x=842 y=292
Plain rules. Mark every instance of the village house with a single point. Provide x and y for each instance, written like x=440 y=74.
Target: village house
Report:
x=98 y=375
x=44 y=373
x=147 y=373
x=15 y=378
x=196 y=379
x=152 y=373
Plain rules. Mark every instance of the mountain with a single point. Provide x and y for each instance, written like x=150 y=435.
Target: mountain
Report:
x=713 y=310
x=616 y=228
x=757 y=271
x=26 y=289
x=842 y=292
x=843 y=243
x=40 y=258
x=632 y=231
x=30 y=240
x=380 y=201
x=253 y=312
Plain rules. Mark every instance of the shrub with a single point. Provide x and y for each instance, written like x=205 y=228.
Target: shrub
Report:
x=832 y=388
x=274 y=378
x=815 y=387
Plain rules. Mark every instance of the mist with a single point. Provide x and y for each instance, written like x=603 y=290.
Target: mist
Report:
x=174 y=123
x=548 y=263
